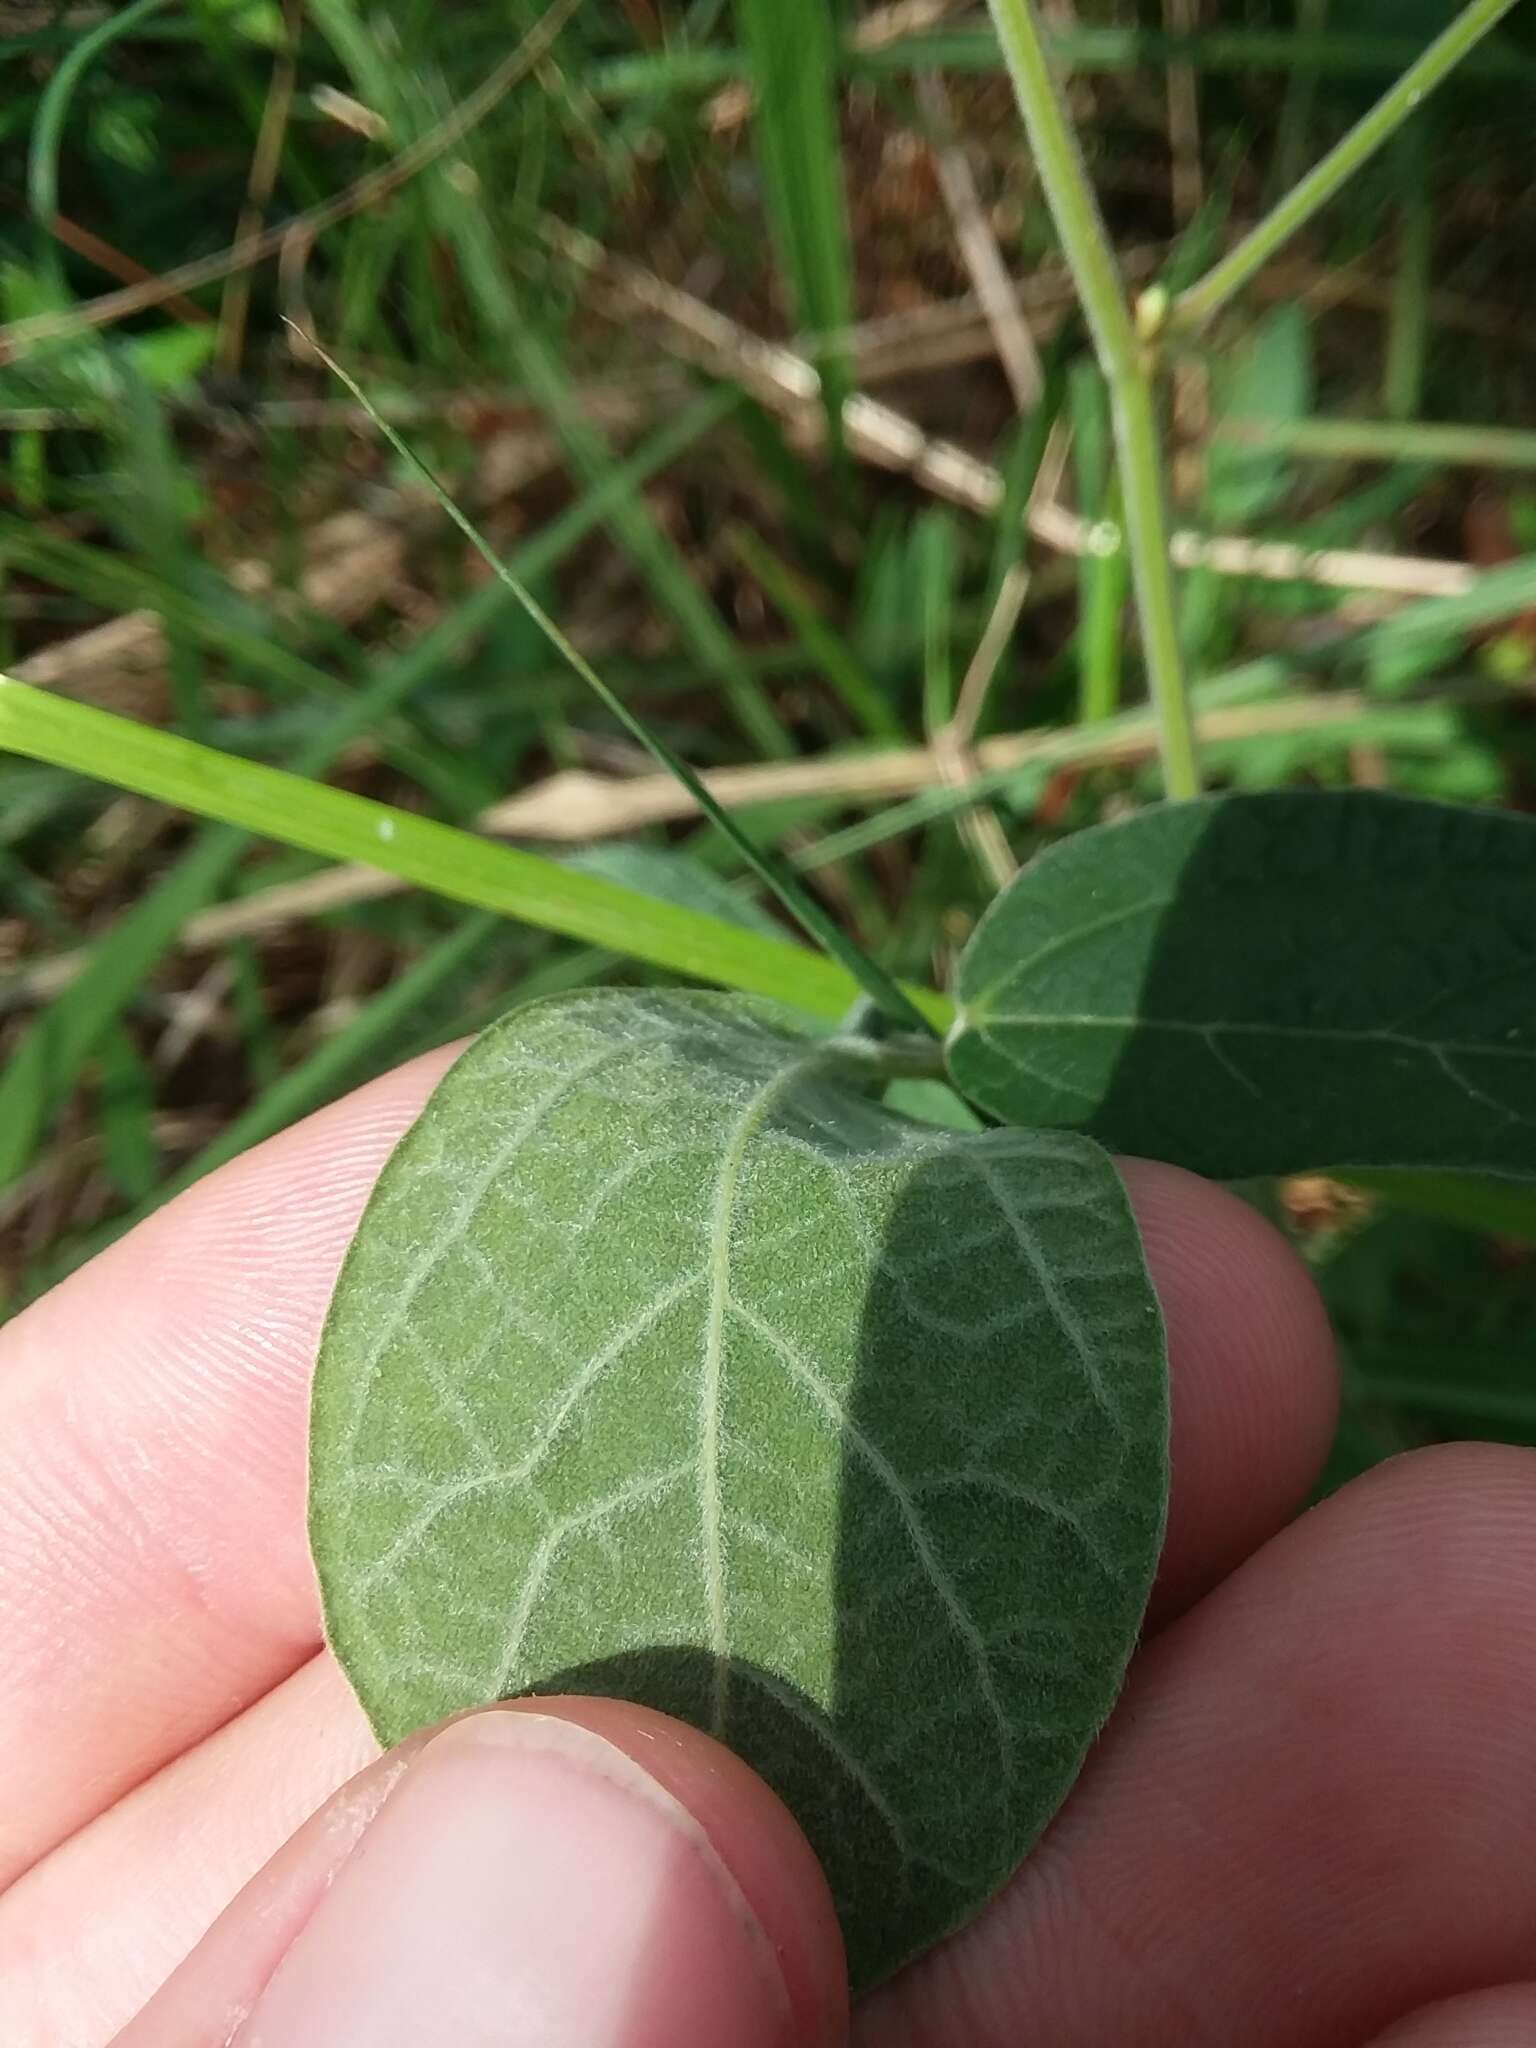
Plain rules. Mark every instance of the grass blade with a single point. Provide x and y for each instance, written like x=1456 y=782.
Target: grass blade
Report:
x=45 y=1065
x=451 y=863
x=53 y=109
x=362 y=1045
x=793 y=55
x=933 y=565
x=806 y=911
x=825 y=647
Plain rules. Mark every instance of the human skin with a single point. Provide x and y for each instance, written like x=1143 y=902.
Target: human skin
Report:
x=1308 y=1822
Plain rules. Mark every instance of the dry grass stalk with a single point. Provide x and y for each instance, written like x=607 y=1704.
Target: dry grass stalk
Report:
x=978 y=248
x=886 y=438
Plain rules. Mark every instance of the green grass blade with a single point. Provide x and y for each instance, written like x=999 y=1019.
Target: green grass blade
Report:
x=46 y=1063
x=155 y=529
x=825 y=648
x=217 y=616
x=805 y=910
x=1201 y=301
x=451 y=863
x=1087 y=49
x=1469 y=1384
x=792 y=51
x=1021 y=464
x=653 y=552
x=53 y=108
x=364 y=1044
x=1499 y=594
x=1426 y=729
x=125 y=1114
x=321 y=1076
x=1409 y=323
x=1392 y=440
x=467 y=229
x=933 y=560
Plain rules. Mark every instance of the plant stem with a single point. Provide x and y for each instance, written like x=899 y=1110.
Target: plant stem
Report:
x=1085 y=240
x=1138 y=441
x=1192 y=308
x=458 y=865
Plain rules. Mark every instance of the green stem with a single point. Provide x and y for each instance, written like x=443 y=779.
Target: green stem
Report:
x=1123 y=359
x=454 y=864
x=1064 y=176
x=1194 y=307
x=1139 y=444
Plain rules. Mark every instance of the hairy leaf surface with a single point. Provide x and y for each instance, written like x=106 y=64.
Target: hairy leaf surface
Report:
x=1261 y=984
x=667 y=1363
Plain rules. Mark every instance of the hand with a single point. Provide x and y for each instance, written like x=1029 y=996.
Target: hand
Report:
x=1311 y=1814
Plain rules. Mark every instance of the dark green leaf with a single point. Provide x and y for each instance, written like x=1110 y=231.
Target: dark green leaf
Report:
x=673 y=877
x=666 y=1363
x=1260 y=984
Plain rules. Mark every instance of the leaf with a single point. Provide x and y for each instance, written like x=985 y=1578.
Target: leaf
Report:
x=1262 y=984
x=126 y=1117
x=124 y=130
x=932 y=1102
x=259 y=21
x=1271 y=381
x=672 y=877
x=666 y=1364
x=170 y=358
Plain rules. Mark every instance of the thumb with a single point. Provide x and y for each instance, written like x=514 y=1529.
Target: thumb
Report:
x=570 y=1874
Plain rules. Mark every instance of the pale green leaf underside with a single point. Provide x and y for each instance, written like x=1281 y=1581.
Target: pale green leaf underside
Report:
x=665 y=1364
x=1261 y=984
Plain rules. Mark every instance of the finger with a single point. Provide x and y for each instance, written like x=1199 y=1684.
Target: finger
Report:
x=1254 y=1381
x=153 y=1576
x=1251 y=1416
x=152 y=1424
x=1312 y=1811
x=584 y=1874
x=1503 y=2018
x=91 y=1931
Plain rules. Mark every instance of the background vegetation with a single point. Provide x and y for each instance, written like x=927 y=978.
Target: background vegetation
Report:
x=854 y=604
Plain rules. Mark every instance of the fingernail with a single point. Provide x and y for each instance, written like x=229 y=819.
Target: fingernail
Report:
x=527 y=1885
